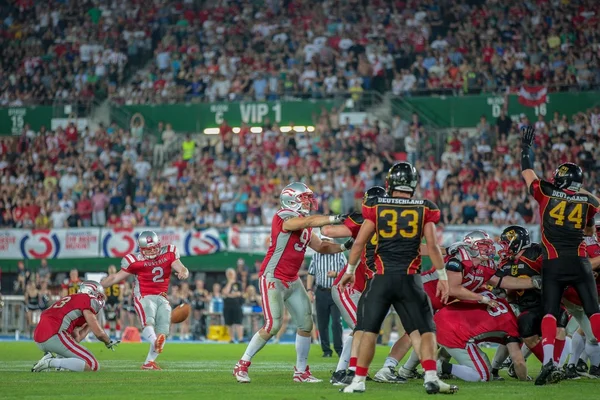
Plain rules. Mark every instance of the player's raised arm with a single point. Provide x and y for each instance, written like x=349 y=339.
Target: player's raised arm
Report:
x=326 y=247
x=526 y=161
x=182 y=271
x=312 y=221
x=114 y=278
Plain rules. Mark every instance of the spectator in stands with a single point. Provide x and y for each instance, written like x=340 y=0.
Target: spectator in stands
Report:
x=201 y=299
x=232 y=306
x=253 y=302
x=44 y=272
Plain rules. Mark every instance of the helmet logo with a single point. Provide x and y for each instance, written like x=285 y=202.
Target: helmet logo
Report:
x=149 y=239
x=562 y=171
x=511 y=235
x=289 y=192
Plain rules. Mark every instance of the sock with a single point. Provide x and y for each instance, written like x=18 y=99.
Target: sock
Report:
x=526 y=351
x=499 y=357
x=255 y=345
x=428 y=365
x=361 y=372
x=465 y=373
x=149 y=334
x=412 y=362
x=302 y=349
x=584 y=355
x=548 y=337
x=593 y=351
x=106 y=326
x=118 y=327
x=559 y=345
x=565 y=353
x=595 y=323
x=538 y=351
x=577 y=347
x=345 y=356
x=72 y=364
x=118 y=335
x=352 y=365
x=390 y=362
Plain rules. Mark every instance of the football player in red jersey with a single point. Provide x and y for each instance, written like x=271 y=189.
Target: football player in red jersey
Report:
x=464 y=324
x=152 y=269
x=291 y=234
x=567 y=213
x=65 y=324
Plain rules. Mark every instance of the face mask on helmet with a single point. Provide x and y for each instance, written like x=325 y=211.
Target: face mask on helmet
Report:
x=93 y=289
x=482 y=247
x=505 y=251
x=308 y=202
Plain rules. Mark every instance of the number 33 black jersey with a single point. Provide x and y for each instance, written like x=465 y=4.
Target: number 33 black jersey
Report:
x=564 y=216
x=399 y=226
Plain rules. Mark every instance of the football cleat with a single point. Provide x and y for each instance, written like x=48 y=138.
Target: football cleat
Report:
x=546 y=375
x=240 y=371
x=581 y=366
x=159 y=344
x=43 y=364
x=435 y=386
x=337 y=378
x=595 y=371
x=571 y=372
x=496 y=377
x=409 y=373
x=354 y=387
x=305 y=376
x=507 y=363
x=511 y=371
x=349 y=377
x=151 y=365
x=388 y=375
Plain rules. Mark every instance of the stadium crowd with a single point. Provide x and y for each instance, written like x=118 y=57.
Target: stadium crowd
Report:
x=234 y=50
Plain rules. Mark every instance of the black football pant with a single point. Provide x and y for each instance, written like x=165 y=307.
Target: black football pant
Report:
x=327 y=309
x=565 y=271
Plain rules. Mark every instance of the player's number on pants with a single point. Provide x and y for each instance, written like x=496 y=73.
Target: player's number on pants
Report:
x=410 y=220
x=158 y=273
x=575 y=216
x=61 y=303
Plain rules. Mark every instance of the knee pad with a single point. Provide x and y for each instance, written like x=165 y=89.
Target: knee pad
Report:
x=275 y=326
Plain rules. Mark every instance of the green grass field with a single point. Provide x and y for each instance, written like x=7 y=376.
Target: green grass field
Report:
x=201 y=371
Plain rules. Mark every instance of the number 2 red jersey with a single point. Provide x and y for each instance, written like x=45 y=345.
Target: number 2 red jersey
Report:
x=399 y=226
x=564 y=216
x=65 y=315
x=362 y=273
x=464 y=322
x=286 y=252
x=152 y=276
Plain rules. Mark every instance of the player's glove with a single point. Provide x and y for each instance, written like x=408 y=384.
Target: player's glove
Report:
x=536 y=281
x=338 y=219
x=112 y=344
x=347 y=245
x=528 y=135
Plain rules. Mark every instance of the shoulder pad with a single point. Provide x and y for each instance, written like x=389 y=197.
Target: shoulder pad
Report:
x=127 y=261
x=372 y=202
x=96 y=306
x=454 y=264
x=357 y=218
x=431 y=205
x=286 y=214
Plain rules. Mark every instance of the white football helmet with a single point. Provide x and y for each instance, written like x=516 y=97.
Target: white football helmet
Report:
x=479 y=244
x=298 y=197
x=149 y=244
x=93 y=289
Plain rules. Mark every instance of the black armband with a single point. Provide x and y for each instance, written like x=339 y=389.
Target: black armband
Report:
x=499 y=283
x=512 y=339
x=526 y=162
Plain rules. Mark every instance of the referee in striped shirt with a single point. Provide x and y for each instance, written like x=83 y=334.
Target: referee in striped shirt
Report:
x=323 y=270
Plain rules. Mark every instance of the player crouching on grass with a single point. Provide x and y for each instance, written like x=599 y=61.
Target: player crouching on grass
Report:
x=65 y=324
x=152 y=268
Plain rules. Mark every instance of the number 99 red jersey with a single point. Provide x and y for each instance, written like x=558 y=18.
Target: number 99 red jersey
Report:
x=152 y=276
x=465 y=322
x=286 y=251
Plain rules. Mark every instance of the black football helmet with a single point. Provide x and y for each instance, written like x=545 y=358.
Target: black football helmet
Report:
x=568 y=176
x=373 y=192
x=513 y=239
x=402 y=177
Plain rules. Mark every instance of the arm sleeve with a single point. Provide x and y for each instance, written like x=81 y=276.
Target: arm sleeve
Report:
x=432 y=213
x=353 y=223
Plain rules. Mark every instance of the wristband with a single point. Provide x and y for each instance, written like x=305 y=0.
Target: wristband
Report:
x=525 y=159
x=484 y=300
x=351 y=268
x=332 y=219
x=343 y=247
x=442 y=275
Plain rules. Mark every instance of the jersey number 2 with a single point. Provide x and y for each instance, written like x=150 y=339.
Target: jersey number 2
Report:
x=158 y=274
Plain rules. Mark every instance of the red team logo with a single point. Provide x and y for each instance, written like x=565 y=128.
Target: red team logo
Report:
x=40 y=244
x=119 y=243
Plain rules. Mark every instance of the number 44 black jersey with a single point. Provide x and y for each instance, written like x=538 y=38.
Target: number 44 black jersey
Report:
x=564 y=217
x=399 y=226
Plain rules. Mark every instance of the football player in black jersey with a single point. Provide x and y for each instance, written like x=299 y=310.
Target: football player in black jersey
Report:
x=567 y=212
x=112 y=310
x=399 y=222
x=521 y=258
